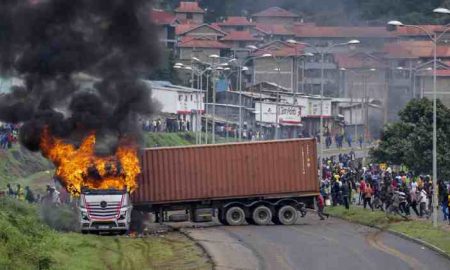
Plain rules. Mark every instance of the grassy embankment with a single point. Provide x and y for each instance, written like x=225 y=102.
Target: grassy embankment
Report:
x=179 y=139
x=418 y=229
x=27 y=243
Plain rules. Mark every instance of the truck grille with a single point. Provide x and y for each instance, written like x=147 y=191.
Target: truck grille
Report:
x=110 y=211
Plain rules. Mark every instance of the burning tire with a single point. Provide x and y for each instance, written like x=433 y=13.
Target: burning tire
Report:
x=287 y=215
x=235 y=216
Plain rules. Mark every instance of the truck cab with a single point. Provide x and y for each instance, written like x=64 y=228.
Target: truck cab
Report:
x=107 y=210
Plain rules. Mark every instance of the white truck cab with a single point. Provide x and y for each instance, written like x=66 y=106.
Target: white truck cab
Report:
x=106 y=210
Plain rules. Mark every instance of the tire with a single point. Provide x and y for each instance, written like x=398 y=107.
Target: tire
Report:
x=262 y=215
x=235 y=216
x=287 y=215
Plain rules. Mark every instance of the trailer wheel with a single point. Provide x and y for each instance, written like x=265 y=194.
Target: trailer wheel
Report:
x=287 y=215
x=262 y=215
x=235 y=216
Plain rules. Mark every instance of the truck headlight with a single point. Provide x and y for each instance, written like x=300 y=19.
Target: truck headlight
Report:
x=84 y=216
x=123 y=215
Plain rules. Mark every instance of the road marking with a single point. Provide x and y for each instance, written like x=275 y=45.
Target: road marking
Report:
x=374 y=240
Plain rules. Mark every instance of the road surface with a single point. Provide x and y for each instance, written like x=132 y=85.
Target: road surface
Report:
x=330 y=244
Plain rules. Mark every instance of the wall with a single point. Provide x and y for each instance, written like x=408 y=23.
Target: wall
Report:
x=442 y=86
x=264 y=71
x=201 y=53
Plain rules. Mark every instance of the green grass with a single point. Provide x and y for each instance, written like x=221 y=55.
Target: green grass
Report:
x=419 y=229
x=423 y=230
x=17 y=163
x=27 y=243
x=179 y=139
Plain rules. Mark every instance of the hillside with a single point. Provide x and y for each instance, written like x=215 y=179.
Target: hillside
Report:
x=27 y=243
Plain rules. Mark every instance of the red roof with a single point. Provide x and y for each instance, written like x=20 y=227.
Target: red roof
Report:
x=162 y=17
x=412 y=31
x=280 y=49
x=275 y=12
x=236 y=21
x=439 y=73
x=415 y=49
x=194 y=42
x=303 y=31
x=356 y=60
x=189 y=7
x=239 y=36
x=185 y=28
x=274 y=29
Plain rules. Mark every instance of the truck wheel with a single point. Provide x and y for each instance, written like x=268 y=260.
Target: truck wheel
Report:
x=262 y=215
x=235 y=216
x=287 y=215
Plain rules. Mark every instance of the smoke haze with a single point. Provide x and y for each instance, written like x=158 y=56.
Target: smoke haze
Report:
x=49 y=43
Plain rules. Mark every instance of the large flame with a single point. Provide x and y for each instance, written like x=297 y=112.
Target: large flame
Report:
x=80 y=167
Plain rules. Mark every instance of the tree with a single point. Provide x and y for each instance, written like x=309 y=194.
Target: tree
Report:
x=409 y=141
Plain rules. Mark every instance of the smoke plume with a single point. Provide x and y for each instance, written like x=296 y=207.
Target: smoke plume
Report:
x=81 y=61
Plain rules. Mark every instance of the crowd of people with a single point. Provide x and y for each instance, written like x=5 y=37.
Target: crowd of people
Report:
x=52 y=196
x=8 y=135
x=378 y=187
x=340 y=139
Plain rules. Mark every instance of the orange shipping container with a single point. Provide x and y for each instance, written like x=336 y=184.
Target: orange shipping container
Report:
x=224 y=171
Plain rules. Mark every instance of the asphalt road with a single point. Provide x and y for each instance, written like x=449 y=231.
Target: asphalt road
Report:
x=331 y=244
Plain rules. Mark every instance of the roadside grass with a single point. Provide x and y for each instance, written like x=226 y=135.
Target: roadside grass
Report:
x=161 y=139
x=17 y=163
x=27 y=243
x=418 y=229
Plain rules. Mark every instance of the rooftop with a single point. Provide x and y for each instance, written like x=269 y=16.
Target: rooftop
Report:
x=162 y=17
x=274 y=29
x=239 y=36
x=188 y=27
x=239 y=21
x=415 y=49
x=341 y=31
x=275 y=12
x=189 y=7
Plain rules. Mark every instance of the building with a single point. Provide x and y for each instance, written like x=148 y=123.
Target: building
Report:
x=275 y=15
x=190 y=12
x=178 y=103
x=166 y=22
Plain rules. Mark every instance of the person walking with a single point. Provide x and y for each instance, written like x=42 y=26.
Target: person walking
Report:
x=422 y=200
x=320 y=207
x=413 y=203
x=346 y=194
x=362 y=189
x=29 y=195
x=368 y=197
x=9 y=190
x=20 y=193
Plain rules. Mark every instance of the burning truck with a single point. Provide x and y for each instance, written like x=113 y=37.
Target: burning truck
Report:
x=254 y=183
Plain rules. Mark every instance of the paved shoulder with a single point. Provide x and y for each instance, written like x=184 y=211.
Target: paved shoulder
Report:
x=226 y=251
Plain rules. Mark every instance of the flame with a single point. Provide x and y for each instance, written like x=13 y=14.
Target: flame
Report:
x=80 y=167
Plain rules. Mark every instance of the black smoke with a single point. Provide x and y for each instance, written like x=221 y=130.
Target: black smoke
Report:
x=81 y=61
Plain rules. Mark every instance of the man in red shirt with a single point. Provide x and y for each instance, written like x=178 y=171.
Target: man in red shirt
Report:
x=320 y=206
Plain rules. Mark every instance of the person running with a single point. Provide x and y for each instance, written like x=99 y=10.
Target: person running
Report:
x=29 y=196
x=320 y=207
x=368 y=197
